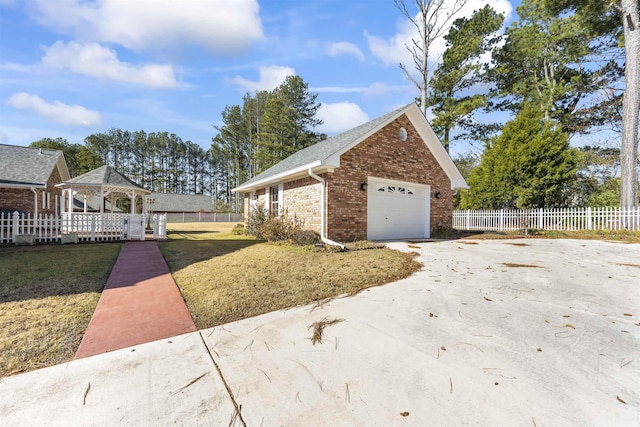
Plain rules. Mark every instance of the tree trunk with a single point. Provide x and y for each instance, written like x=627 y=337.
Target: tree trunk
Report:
x=630 y=105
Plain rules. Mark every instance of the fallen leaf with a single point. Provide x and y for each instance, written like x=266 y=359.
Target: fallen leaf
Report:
x=430 y=314
x=406 y=414
x=569 y=325
x=627 y=314
x=620 y=400
x=443 y=348
x=566 y=315
x=488 y=299
x=539 y=349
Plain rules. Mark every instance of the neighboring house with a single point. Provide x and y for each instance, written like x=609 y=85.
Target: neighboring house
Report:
x=389 y=178
x=179 y=203
x=28 y=177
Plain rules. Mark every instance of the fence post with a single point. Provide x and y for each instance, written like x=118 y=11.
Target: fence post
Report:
x=501 y=220
x=540 y=220
x=468 y=219
x=16 y=218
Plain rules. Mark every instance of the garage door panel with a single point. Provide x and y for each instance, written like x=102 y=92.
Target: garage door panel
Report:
x=396 y=211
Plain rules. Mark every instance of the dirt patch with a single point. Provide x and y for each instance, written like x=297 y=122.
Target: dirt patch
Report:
x=629 y=265
x=514 y=265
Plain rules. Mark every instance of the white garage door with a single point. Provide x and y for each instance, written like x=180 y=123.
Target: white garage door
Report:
x=397 y=210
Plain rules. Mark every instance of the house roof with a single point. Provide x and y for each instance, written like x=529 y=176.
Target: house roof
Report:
x=25 y=167
x=326 y=154
x=167 y=202
x=104 y=177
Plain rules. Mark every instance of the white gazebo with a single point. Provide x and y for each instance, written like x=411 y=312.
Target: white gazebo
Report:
x=104 y=183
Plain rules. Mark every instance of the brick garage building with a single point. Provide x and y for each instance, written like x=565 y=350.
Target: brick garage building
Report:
x=28 y=177
x=389 y=178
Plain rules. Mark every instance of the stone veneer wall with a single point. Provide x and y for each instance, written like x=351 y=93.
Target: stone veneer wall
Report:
x=302 y=201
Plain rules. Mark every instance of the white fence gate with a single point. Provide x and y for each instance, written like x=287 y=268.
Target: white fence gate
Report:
x=81 y=227
x=607 y=218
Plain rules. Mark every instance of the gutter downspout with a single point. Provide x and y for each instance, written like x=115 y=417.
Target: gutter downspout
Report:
x=35 y=200
x=323 y=212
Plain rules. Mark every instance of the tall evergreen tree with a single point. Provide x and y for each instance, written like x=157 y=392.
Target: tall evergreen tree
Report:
x=450 y=92
x=529 y=165
x=559 y=64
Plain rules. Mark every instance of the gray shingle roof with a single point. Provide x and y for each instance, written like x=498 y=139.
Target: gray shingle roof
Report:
x=323 y=149
x=166 y=202
x=104 y=175
x=26 y=165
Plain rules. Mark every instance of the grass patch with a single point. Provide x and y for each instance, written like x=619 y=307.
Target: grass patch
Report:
x=225 y=277
x=47 y=296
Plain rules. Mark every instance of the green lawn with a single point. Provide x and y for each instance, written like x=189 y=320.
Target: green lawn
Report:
x=224 y=277
x=47 y=296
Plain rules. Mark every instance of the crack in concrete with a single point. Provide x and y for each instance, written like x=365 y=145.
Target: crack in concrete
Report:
x=238 y=408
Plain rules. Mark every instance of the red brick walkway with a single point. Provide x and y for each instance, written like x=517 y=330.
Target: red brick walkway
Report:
x=140 y=303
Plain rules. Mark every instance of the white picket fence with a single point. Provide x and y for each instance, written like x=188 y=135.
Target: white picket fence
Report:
x=606 y=218
x=204 y=217
x=81 y=227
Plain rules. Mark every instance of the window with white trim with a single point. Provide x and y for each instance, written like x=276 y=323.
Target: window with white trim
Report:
x=407 y=191
x=275 y=201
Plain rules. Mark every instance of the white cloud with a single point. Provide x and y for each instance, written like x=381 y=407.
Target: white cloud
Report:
x=374 y=89
x=270 y=77
x=340 y=116
x=93 y=60
x=220 y=26
x=341 y=48
x=393 y=51
x=55 y=111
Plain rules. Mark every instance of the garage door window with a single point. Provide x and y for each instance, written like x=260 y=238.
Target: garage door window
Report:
x=383 y=188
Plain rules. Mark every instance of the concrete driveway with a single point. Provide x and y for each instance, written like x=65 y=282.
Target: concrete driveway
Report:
x=505 y=332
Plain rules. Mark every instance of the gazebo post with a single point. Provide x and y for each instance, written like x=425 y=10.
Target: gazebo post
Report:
x=132 y=197
x=85 y=202
x=101 y=200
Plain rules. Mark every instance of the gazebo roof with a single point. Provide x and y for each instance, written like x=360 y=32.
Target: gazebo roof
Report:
x=106 y=178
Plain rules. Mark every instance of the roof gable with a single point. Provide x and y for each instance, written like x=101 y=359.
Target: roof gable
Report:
x=29 y=166
x=103 y=176
x=327 y=153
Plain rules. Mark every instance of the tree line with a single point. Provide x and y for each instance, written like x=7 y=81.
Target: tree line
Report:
x=269 y=126
x=558 y=72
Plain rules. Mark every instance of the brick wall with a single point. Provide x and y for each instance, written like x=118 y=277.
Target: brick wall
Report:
x=384 y=155
x=302 y=201
x=23 y=199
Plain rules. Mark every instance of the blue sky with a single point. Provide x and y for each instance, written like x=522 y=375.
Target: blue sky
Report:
x=70 y=68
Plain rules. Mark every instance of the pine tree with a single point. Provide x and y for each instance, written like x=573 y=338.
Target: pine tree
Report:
x=529 y=165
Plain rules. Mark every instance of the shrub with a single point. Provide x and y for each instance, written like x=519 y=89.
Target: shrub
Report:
x=305 y=237
x=278 y=229
x=238 y=229
x=257 y=217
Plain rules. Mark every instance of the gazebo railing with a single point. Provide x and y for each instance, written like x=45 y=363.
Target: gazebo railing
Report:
x=79 y=227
